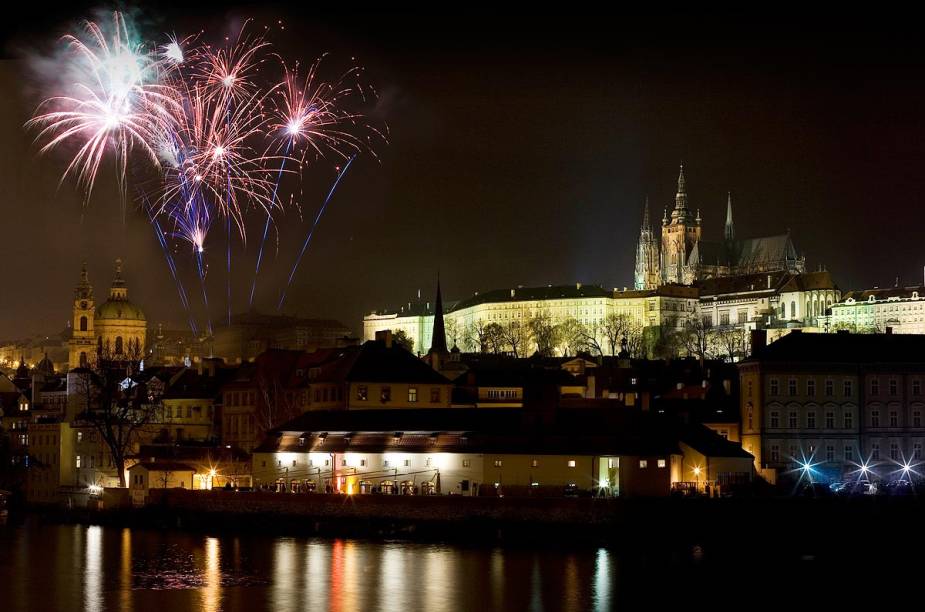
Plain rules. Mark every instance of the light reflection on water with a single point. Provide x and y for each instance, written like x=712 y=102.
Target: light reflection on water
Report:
x=99 y=569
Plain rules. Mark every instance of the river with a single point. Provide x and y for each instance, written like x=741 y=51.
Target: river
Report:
x=93 y=568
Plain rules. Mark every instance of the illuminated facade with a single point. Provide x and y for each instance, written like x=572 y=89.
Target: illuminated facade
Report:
x=589 y=305
x=902 y=309
x=835 y=402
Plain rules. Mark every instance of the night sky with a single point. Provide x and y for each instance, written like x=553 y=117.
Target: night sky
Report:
x=521 y=150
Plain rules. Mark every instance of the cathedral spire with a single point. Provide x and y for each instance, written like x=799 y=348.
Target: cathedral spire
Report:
x=730 y=228
x=645 y=216
x=680 y=199
x=438 y=337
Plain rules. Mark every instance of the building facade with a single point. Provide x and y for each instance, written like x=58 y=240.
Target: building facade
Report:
x=902 y=309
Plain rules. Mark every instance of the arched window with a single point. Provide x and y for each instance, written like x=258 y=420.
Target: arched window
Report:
x=793 y=310
x=83 y=359
x=83 y=323
x=118 y=345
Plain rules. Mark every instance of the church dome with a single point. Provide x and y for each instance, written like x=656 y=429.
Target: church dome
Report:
x=45 y=366
x=121 y=310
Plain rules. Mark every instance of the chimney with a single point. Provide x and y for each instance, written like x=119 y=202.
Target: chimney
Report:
x=385 y=336
x=759 y=339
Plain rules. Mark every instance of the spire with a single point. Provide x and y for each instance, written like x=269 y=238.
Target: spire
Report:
x=680 y=199
x=84 y=290
x=438 y=337
x=730 y=229
x=118 y=290
x=645 y=216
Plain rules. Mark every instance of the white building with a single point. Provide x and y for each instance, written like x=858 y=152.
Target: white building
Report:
x=874 y=310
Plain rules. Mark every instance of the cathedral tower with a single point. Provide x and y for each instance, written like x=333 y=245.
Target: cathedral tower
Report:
x=647 y=265
x=680 y=233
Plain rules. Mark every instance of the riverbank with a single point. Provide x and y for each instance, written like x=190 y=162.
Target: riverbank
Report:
x=628 y=522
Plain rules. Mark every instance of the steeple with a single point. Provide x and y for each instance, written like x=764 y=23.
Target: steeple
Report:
x=438 y=337
x=645 y=216
x=730 y=229
x=83 y=290
x=118 y=291
x=680 y=198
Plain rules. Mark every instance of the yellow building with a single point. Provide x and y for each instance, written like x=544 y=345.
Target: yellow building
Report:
x=117 y=328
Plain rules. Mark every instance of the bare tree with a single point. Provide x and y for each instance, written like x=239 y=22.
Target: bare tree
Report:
x=401 y=338
x=276 y=403
x=576 y=336
x=494 y=338
x=696 y=337
x=517 y=336
x=669 y=341
x=451 y=325
x=115 y=407
x=545 y=335
x=731 y=340
x=633 y=334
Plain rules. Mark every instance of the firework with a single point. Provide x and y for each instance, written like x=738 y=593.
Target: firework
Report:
x=214 y=124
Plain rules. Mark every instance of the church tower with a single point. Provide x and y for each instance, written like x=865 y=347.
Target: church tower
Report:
x=647 y=260
x=83 y=342
x=680 y=233
x=730 y=228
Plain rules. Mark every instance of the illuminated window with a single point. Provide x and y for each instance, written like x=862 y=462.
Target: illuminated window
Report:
x=661 y=463
x=362 y=393
x=466 y=463
x=78 y=461
x=412 y=394
x=385 y=394
x=80 y=436
x=571 y=463
x=643 y=464
x=497 y=463
x=534 y=463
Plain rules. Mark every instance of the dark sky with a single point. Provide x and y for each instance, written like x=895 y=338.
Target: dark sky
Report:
x=521 y=150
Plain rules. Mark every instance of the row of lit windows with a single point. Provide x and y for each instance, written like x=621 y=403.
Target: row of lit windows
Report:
x=829 y=388
x=385 y=394
x=797 y=455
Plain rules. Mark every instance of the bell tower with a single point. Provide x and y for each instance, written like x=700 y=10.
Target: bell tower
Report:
x=680 y=232
x=81 y=344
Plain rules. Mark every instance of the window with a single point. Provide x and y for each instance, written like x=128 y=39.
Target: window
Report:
x=661 y=463
x=497 y=463
x=829 y=388
x=848 y=389
x=643 y=464
x=293 y=463
x=830 y=453
x=362 y=393
x=793 y=452
x=875 y=418
x=830 y=420
x=412 y=394
x=118 y=345
x=811 y=388
x=83 y=323
x=917 y=451
x=407 y=462
x=916 y=387
x=849 y=453
x=78 y=461
x=875 y=451
x=874 y=386
x=894 y=390
x=917 y=419
x=849 y=419
x=774 y=389
x=894 y=418
x=775 y=419
x=435 y=395
x=466 y=463
x=894 y=451
x=792 y=419
x=811 y=419
x=571 y=463
x=724 y=318
x=534 y=463
x=385 y=393
x=775 y=453
x=363 y=462
x=80 y=436
x=792 y=387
